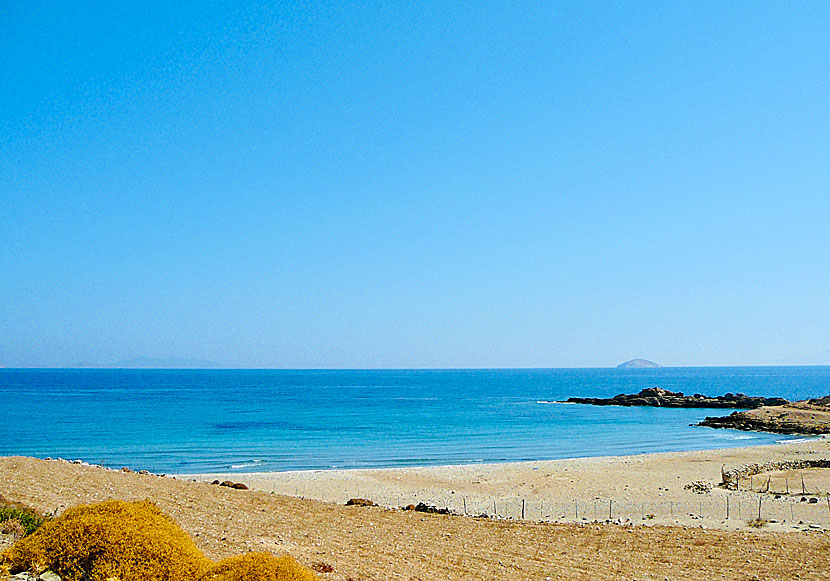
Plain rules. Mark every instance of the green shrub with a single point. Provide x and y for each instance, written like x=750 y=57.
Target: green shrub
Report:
x=15 y=516
x=29 y=519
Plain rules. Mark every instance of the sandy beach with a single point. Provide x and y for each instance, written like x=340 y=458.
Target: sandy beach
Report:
x=377 y=543
x=646 y=489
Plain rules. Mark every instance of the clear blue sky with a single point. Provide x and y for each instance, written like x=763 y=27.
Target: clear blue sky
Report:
x=415 y=184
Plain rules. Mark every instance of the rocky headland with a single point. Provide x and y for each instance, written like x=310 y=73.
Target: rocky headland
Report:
x=658 y=397
x=810 y=417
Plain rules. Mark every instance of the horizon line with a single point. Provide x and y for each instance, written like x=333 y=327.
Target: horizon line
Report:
x=519 y=368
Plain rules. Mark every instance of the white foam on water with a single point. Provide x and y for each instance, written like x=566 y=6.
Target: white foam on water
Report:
x=794 y=441
x=247 y=464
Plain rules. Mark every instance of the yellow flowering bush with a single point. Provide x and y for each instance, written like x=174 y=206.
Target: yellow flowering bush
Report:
x=258 y=567
x=131 y=541
x=110 y=540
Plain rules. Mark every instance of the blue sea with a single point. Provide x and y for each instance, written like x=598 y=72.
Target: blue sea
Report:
x=192 y=421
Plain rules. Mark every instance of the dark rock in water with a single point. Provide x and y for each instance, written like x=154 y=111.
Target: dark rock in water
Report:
x=360 y=502
x=658 y=397
x=638 y=364
x=820 y=402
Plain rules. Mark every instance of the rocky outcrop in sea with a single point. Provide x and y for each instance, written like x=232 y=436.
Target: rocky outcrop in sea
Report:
x=811 y=417
x=658 y=397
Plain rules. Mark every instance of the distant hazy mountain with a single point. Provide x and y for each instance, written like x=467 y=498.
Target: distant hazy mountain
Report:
x=157 y=363
x=638 y=363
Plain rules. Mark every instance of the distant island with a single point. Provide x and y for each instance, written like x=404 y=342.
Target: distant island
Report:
x=153 y=363
x=638 y=364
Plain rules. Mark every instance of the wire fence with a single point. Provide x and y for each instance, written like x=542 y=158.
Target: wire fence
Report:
x=729 y=506
x=812 y=510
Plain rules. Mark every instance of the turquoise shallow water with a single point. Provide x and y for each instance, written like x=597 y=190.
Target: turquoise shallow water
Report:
x=257 y=420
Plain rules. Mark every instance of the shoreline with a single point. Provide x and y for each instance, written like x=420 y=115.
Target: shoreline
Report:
x=657 y=488
x=803 y=439
x=245 y=467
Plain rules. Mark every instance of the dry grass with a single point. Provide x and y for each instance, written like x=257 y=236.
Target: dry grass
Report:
x=376 y=543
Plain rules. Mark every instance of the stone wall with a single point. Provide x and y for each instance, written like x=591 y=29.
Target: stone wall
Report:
x=730 y=478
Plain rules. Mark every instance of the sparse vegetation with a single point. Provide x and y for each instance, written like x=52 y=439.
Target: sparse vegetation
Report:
x=134 y=540
x=322 y=567
x=258 y=567
x=113 y=539
x=757 y=523
x=18 y=519
x=12 y=527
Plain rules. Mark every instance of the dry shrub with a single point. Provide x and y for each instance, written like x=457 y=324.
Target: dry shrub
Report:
x=322 y=567
x=258 y=567
x=113 y=539
x=13 y=527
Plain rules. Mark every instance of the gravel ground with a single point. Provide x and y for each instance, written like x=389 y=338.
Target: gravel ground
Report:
x=383 y=544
